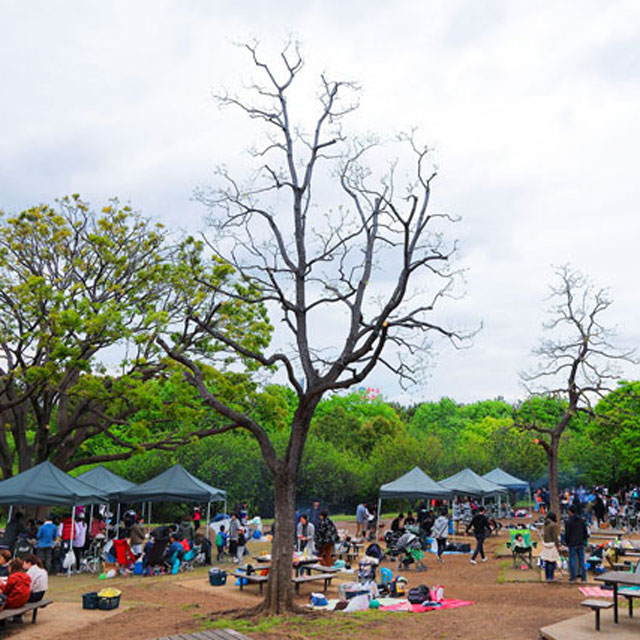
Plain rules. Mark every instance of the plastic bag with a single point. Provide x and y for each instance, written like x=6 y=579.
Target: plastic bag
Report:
x=69 y=560
x=358 y=603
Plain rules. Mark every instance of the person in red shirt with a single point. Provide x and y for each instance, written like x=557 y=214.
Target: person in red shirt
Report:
x=17 y=588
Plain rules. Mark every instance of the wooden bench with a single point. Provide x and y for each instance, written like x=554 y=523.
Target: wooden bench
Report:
x=5 y=614
x=322 y=569
x=252 y=577
x=297 y=581
x=629 y=595
x=596 y=606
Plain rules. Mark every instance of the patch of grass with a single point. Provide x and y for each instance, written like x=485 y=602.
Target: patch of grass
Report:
x=317 y=625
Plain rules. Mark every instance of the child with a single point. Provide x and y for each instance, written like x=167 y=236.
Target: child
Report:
x=221 y=541
x=17 y=588
x=242 y=541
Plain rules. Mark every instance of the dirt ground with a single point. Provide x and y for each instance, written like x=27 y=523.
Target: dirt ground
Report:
x=162 y=606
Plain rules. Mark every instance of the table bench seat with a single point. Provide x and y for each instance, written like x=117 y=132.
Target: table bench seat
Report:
x=326 y=578
x=252 y=577
x=30 y=606
x=597 y=606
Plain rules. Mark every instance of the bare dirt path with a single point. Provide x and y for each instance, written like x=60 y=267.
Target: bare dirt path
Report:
x=154 y=607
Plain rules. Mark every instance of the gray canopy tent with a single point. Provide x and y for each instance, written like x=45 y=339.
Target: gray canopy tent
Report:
x=111 y=484
x=45 y=484
x=175 y=485
x=505 y=479
x=413 y=484
x=469 y=483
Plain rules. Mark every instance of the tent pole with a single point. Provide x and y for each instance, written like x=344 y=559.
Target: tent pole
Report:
x=90 y=519
x=149 y=509
x=118 y=523
x=379 y=514
x=10 y=513
x=225 y=504
x=208 y=515
x=72 y=535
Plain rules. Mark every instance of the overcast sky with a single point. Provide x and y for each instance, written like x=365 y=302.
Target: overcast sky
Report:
x=533 y=108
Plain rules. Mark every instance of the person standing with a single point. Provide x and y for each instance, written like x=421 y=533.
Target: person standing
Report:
x=575 y=537
x=80 y=539
x=221 y=541
x=305 y=534
x=234 y=527
x=549 y=554
x=46 y=537
x=14 y=528
x=242 y=543
x=599 y=510
x=137 y=537
x=480 y=525
x=362 y=518
x=314 y=514
x=440 y=531
x=325 y=539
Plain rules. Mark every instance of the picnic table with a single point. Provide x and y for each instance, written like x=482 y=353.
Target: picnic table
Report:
x=298 y=563
x=617 y=578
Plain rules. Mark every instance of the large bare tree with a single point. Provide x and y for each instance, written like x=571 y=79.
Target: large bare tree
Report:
x=577 y=363
x=349 y=260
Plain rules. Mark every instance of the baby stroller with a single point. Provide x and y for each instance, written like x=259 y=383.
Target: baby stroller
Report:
x=91 y=561
x=153 y=561
x=408 y=551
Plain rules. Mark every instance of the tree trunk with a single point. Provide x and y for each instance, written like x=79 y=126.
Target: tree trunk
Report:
x=279 y=598
x=552 y=458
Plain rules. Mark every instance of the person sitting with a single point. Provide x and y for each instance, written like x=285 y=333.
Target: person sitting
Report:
x=39 y=577
x=174 y=552
x=409 y=520
x=396 y=523
x=5 y=559
x=17 y=588
x=137 y=536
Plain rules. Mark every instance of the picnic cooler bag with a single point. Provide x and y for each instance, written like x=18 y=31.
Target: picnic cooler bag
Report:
x=217 y=577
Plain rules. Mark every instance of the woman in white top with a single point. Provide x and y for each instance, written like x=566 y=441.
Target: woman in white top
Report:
x=39 y=577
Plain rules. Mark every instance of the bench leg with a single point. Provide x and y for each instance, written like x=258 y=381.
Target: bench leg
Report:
x=630 y=600
x=597 y=619
x=297 y=588
x=34 y=616
x=261 y=583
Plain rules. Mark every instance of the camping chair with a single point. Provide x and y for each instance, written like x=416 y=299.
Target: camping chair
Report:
x=521 y=547
x=124 y=556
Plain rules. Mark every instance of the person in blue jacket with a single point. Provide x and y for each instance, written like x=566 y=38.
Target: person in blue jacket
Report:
x=46 y=537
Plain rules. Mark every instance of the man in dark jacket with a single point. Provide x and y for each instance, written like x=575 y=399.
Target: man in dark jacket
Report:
x=480 y=525
x=14 y=529
x=575 y=537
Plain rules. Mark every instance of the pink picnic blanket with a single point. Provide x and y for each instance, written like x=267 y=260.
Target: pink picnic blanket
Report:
x=596 y=592
x=418 y=608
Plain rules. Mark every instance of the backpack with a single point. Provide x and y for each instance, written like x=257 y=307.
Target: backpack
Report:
x=418 y=595
x=374 y=551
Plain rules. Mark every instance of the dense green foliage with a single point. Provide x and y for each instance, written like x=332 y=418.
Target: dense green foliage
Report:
x=356 y=444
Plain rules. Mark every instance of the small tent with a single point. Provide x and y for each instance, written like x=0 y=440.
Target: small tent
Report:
x=45 y=484
x=174 y=485
x=110 y=483
x=413 y=484
x=469 y=483
x=505 y=479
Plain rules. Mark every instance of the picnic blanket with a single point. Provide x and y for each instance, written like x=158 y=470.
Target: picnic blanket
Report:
x=599 y=592
x=405 y=605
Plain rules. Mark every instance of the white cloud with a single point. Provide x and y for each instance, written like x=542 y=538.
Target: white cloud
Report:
x=532 y=107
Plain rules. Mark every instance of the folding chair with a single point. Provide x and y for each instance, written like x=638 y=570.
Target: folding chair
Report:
x=521 y=547
x=124 y=555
